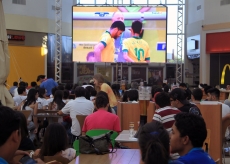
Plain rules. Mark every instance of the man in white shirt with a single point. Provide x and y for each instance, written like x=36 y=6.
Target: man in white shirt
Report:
x=21 y=96
x=214 y=95
x=79 y=106
x=21 y=84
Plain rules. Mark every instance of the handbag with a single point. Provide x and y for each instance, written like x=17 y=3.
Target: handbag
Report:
x=96 y=144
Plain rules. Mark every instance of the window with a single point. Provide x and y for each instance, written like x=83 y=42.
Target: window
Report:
x=19 y=2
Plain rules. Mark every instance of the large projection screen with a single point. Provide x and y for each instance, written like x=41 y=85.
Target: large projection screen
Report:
x=90 y=24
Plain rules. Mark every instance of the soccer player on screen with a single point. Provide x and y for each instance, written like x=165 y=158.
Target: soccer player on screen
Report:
x=136 y=49
x=105 y=49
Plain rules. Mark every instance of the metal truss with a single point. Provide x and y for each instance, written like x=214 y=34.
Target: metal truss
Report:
x=58 y=41
x=180 y=36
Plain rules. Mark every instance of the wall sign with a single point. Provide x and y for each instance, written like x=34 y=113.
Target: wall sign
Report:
x=223 y=72
x=16 y=37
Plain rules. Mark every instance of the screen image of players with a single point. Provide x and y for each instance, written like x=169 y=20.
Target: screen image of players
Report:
x=136 y=49
x=105 y=49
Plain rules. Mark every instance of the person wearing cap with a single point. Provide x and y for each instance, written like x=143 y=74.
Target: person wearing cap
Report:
x=178 y=100
x=48 y=84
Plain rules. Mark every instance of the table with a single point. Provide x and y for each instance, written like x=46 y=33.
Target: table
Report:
x=124 y=137
x=51 y=117
x=125 y=140
x=121 y=156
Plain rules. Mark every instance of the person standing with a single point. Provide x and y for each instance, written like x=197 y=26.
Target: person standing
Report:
x=102 y=86
x=48 y=84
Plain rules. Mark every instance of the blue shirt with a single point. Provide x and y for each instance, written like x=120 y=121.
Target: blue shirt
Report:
x=3 y=161
x=48 y=84
x=196 y=156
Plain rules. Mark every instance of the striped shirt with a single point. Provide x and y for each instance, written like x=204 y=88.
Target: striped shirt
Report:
x=166 y=116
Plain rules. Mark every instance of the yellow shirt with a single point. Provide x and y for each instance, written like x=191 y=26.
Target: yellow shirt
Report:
x=137 y=49
x=112 y=98
x=107 y=54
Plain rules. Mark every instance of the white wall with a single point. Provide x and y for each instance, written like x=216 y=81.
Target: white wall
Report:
x=195 y=15
x=37 y=16
x=215 y=13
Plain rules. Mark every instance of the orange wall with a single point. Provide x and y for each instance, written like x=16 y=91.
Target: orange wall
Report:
x=25 y=62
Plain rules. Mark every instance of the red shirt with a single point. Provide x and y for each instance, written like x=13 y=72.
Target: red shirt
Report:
x=102 y=119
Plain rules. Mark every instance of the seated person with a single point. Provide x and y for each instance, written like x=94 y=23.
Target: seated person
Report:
x=164 y=112
x=26 y=143
x=132 y=96
x=178 y=100
x=214 y=95
x=187 y=90
x=102 y=119
x=188 y=135
x=20 y=97
x=55 y=142
x=197 y=95
x=154 y=144
x=42 y=102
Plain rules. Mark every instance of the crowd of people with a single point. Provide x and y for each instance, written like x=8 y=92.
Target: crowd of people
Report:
x=177 y=120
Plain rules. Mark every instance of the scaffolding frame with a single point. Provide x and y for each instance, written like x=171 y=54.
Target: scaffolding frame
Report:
x=180 y=36
x=58 y=40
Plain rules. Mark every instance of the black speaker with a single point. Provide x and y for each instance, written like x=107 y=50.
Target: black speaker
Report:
x=170 y=72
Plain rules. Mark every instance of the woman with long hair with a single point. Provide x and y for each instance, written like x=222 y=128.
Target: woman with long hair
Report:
x=57 y=103
x=55 y=142
x=31 y=104
x=26 y=143
x=154 y=144
x=42 y=102
x=100 y=85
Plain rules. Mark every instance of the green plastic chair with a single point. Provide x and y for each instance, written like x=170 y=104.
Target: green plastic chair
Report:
x=95 y=132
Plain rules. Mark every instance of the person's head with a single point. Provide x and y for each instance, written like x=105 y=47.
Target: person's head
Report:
x=33 y=84
x=183 y=86
x=118 y=16
x=136 y=28
x=162 y=100
x=32 y=97
x=15 y=83
x=26 y=84
x=125 y=96
x=90 y=57
x=117 y=29
x=102 y=100
x=23 y=125
x=213 y=94
x=189 y=131
x=68 y=86
x=154 y=143
x=42 y=92
x=177 y=97
x=22 y=84
x=10 y=133
x=80 y=92
x=98 y=79
x=58 y=99
x=132 y=95
x=55 y=140
x=206 y=89
x=93 y=92
x=197 y=94
x=65 y=94
x=40 y=78
x=155 y=90
x=166 y=88
x=22 y=91
x=134 y=85
x=61 y=87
